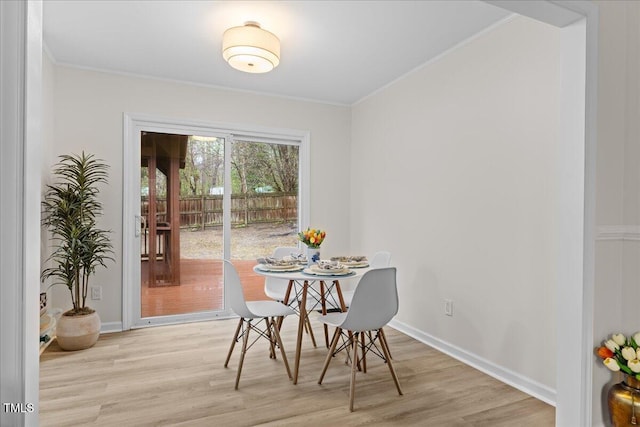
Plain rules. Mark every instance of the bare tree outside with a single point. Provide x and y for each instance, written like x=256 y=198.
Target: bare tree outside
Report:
x=202 y=171
x=258 y=168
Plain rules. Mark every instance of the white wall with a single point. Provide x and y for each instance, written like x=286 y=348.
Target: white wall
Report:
x=453 y=172
x=89 y=109
x=617 y=269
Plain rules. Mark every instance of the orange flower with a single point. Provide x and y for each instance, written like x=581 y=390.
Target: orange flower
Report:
x=604 y=352
x=312 y=237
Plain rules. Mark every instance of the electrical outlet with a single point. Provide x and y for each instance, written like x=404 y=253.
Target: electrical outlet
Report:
x=96 y=292
x=448 y=307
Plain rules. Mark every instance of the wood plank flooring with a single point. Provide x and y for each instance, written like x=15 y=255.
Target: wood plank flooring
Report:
x=174 y=376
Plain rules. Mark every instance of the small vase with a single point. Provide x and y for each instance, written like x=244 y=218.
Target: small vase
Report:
x=624 y=402
x=313 y=255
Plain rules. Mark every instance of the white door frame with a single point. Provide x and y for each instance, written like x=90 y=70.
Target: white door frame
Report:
x=134 y=124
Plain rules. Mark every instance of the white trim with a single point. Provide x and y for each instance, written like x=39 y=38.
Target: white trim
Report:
x=618 y=232
x=133 y=124
x=20 y=133
x=110 y=327
x=522 y=383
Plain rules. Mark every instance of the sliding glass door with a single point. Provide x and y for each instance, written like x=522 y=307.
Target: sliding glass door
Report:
x=204 y=198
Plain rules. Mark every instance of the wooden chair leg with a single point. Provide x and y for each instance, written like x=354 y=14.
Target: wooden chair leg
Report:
x=274 y=325
x=244 y=350
x=381 y=332
x=348 y=351
x=352 y=386
x=324 y=312
x=385 y=349
x=233 y=342
x=334 y=343
x=308 y=327
x=364 y=354
x=272 y=349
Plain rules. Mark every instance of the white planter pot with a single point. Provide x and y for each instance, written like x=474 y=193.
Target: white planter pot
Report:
x=78 y=332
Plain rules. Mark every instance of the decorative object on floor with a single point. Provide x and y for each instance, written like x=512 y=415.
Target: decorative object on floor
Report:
x=622 y=354
x=313 y=239
x=70 y=210
x=251 y=49
x=624 y=402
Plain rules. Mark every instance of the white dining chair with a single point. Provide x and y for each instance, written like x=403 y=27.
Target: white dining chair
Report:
x=252 y=313
x=374 y=304
x=379 y=259
x=276 y=288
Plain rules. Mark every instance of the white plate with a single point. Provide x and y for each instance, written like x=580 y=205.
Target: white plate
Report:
x=318 y=272
x=356 y=264
x=280 y=268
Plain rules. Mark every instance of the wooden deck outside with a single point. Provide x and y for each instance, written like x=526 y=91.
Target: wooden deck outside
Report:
x=200 y=288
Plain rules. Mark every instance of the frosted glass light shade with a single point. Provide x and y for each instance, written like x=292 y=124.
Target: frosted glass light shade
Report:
x=250 y=48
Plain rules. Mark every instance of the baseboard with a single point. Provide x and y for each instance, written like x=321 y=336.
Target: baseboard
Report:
x=524 y=384
x=109 y=327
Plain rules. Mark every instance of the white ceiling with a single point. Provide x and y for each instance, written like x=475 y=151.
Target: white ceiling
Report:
x=332 y=51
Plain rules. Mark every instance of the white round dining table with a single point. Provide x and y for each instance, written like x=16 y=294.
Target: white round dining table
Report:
x=304 y=281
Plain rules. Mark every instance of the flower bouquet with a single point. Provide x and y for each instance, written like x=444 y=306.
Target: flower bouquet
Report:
x=620 y=353
x=313 y=239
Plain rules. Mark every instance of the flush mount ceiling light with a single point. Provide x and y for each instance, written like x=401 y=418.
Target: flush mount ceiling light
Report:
x=250 y=48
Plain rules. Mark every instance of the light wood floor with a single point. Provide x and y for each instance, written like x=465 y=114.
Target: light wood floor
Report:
x=174 y=375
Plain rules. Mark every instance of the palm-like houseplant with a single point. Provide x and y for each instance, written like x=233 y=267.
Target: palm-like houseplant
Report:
x=70 y=210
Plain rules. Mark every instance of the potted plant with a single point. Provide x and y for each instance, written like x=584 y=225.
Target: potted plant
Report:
x=70 y=209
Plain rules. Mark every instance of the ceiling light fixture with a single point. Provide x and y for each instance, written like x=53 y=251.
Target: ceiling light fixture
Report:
x=250 y=48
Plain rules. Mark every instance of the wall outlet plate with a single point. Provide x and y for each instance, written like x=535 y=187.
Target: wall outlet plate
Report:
x=448 y=307
x=96 y=292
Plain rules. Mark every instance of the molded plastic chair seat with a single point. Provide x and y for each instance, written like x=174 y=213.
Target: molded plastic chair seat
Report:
x=262 y=309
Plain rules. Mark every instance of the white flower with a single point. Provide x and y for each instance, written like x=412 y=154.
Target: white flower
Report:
x=636 y=337
x=634 y=365
x=611 y=364
x=611 y=345
x=628 y=353
x=619 y=339
x=638 y=353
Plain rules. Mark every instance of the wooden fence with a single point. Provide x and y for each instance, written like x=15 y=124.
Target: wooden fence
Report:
x=203 y=212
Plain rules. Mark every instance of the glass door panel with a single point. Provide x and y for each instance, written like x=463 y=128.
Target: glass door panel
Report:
x=264 y=205
x=181 y=210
